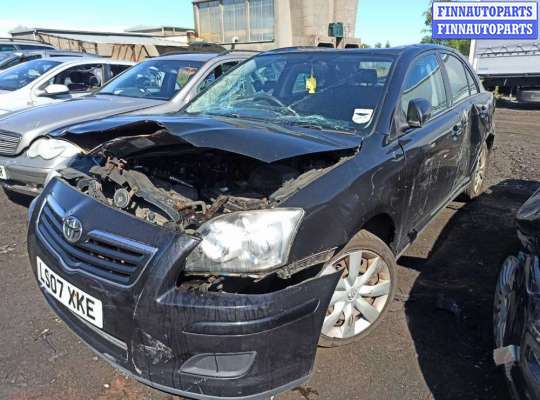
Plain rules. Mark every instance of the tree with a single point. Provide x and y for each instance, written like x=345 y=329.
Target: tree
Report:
x=387 y=45
x=462 y=45
x=378 y=45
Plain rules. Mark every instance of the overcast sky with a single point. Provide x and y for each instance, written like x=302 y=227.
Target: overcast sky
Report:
x=400 y=22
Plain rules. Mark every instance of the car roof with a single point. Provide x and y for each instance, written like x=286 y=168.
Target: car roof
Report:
x=86 y=60
x=201 y=57
x=392 y=51
x=25 y=42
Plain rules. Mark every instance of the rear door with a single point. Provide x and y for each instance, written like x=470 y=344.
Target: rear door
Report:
x=430 y=160
x=460 y=92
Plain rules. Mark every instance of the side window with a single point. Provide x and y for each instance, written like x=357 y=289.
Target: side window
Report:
x=457 y=78
x=117 y=69
x=424 y=80
x=299 y=85
x=215 y=74
x=81 y=78
x=209 y=79
x=228 y=66
x=473 y=88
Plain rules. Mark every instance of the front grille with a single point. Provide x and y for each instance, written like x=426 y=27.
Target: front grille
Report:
x=100 y=254
x=9 y=142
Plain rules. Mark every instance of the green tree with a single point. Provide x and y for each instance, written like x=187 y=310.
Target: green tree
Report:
x=387 y=45
x=378 y=45
x=462 y=45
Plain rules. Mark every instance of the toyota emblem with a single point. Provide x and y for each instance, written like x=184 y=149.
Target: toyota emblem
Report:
x=72 y=229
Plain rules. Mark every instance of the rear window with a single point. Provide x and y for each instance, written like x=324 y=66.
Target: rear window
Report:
x=7 y=47
x=33 y=47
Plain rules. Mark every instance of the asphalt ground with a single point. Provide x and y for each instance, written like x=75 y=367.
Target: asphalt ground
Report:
x=435 y=343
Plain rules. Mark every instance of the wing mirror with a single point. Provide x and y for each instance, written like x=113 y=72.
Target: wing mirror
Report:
x=54 y=90
x=418 y=112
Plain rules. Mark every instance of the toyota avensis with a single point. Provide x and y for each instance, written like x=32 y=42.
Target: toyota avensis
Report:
x=208 y=253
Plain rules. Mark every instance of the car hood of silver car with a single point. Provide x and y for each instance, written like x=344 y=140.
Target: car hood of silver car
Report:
x=39 y=121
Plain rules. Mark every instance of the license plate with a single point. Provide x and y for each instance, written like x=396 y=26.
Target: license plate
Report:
x=3 y=174
x=85 y=306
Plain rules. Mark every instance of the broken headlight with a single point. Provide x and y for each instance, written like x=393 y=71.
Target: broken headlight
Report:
x=245 y=242
x=52 y=148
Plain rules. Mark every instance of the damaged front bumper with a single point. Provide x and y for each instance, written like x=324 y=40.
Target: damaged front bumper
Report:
x=202 y=345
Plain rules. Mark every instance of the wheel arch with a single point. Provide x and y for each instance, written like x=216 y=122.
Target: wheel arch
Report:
x=383 y=226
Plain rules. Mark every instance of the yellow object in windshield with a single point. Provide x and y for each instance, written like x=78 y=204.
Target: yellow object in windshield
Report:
x=311 y=84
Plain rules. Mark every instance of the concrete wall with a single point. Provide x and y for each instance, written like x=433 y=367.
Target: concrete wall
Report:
x=305 y=23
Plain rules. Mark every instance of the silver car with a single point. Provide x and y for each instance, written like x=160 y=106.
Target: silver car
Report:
x=160 y=85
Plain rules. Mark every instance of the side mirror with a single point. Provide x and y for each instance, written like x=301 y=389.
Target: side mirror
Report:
x=54 y=90
x=418 y=112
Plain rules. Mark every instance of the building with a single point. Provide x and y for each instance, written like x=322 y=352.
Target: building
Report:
x=176 y=33
x=119 y=45
x=267 y=24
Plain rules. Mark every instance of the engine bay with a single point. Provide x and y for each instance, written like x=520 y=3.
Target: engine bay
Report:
x=180 y=189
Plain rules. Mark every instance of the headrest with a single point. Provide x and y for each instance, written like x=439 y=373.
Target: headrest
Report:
x=366 y=76
x=76 y=76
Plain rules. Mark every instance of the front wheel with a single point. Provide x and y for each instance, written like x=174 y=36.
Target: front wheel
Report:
x=364 y=292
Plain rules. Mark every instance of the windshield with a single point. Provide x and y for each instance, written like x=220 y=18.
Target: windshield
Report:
x=321 y=90
x=21 y=75
x=154 y=79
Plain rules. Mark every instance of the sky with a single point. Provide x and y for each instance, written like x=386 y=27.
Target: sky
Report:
x=397 y=21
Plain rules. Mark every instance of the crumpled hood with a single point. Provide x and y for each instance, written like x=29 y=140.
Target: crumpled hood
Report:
x=266 y=142
x=38 y=121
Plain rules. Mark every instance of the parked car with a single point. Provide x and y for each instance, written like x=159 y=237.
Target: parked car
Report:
x=516 y=314
x=10 y=59
x=54 y=79
x=18 y=45
x=208 y=253
x=159 y=85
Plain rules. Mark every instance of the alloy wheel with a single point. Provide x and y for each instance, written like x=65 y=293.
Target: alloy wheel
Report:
x=480 y=172
x=360 y=295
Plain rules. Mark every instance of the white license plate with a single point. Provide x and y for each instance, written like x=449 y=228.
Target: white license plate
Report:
x=82 y=304
x=3 y=174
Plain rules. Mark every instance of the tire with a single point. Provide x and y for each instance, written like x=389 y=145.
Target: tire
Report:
x=507 y=313
x=478 y=178
x=371 y=288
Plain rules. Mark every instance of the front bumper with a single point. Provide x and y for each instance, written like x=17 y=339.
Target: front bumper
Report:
x=29 y=175
x=197 y=345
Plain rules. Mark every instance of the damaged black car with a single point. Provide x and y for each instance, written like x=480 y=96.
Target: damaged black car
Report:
x=208 y=253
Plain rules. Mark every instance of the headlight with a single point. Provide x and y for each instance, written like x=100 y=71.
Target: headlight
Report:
x=52 y=148
x=245 y=242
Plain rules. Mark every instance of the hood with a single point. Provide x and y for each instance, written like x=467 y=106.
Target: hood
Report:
x=37 y=121
x=263 y=141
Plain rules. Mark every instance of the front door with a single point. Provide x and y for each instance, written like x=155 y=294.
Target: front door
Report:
x=430 y=150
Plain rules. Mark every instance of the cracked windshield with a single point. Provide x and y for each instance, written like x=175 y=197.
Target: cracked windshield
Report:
x=318 y=91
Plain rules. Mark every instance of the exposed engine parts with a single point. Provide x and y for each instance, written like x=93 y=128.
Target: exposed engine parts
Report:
x=183 y=189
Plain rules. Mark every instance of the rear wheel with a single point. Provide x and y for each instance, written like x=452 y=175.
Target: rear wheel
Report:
x=364 y=292
x=478 y=177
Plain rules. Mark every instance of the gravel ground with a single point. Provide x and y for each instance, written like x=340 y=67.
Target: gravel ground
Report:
x=435 y=343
